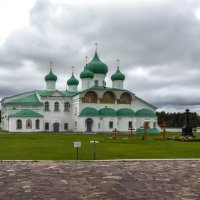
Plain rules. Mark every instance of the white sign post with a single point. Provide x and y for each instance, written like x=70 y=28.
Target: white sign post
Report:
x=94 y=142
x=77 y=145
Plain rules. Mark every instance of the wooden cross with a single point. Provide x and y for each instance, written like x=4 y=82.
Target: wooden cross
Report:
x=114 y=133
x=163 y=127
x=132 y=130
x=146 y=126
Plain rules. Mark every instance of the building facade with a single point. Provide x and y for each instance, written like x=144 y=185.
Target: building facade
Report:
x=96 y=108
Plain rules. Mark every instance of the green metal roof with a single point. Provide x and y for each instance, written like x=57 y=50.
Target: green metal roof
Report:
x=125 y=112
x=26 y=113
x=72 y=81
x=51 y=76
x=45 y=93
x=70 y=94
x=145 y=113
x=118 y=76
x=88 y=111
x=86 y=73
x=28 y=100
x=107 y=112
x=149 y=131
x=97 y=66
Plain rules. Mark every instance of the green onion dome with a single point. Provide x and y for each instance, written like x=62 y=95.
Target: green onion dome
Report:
x=72 y=81
x=51 y=76
x=86 y=73
x=118 y=76
x=97 y=66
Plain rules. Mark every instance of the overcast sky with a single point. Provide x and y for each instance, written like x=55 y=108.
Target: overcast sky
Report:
x=157 y=42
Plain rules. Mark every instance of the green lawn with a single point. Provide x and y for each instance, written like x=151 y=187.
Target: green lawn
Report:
x=60 y=147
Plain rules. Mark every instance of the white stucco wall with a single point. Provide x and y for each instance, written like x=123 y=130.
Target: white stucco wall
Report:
x=12 y=124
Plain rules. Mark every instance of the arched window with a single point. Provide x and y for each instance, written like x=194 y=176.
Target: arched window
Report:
x=37 y=124
x=90 y=97
x=108 y=97
x=56 y=106
x=28 y=124
x=19 y=124
x=66 y=106
x=125 y=99
x=46 y=106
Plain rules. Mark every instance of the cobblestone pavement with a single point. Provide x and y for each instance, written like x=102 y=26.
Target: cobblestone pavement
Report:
x=164 y=179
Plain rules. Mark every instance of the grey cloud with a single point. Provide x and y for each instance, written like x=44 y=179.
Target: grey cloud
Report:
x=161 y=37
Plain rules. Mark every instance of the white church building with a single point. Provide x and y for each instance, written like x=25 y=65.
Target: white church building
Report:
x=96 y=108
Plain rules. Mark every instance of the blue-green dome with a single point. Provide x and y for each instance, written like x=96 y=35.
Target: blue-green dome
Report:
x=86 y=73
x=145 y=113
x=118 y=76
x=125 y=112
x=72 y=81
x=51 y=76
x=89 y=112
x=97 y=66
x=107 y=112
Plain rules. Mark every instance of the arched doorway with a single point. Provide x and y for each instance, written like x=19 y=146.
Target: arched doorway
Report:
x=56 y=127
x=89 y=123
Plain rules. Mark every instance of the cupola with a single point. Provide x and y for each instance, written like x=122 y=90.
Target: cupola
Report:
x=72 y=83
x=86 y=73
x=118 y=78
x=50 y=79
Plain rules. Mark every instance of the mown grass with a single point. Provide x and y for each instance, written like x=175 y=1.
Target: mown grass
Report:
x=60 y=147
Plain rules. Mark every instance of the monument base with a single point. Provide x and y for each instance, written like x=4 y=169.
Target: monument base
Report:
x=187 y=131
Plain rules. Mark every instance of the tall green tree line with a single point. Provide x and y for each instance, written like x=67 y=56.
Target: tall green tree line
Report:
x=178 y=119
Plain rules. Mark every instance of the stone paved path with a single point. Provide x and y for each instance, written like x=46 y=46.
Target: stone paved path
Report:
x=100 y=180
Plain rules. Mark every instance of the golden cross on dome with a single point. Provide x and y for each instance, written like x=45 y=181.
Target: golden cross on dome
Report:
x=118 y=61
x=50 y=64
x=96 y=44
x=72 y=69
x=86 y=59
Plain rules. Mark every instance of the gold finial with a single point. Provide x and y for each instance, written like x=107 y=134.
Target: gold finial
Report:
x=118 y=61
x=72 y=70
x=96 y=44
x=86 y=59
x=50 y=65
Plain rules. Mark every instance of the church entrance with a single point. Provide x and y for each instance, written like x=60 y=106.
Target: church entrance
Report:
x=56 y=127
x=89 y=123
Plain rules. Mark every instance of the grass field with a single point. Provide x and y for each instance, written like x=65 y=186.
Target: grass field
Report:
x=60 y=147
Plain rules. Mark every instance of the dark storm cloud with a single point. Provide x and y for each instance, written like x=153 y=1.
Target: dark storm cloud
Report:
x=157 y=42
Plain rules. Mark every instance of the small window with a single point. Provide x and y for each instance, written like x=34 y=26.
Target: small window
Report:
x=130 y=124
x=56 y=106
x=154 y=125
x=110 y=124
x=28 y=124
x=46 y=126
x=75 y=110
x=66 y=126
x=96 y=82
x=98 y=125
x=66 y=106
x=19 y=124
x=46 y=106
x=75 y=124
x=37 y=124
